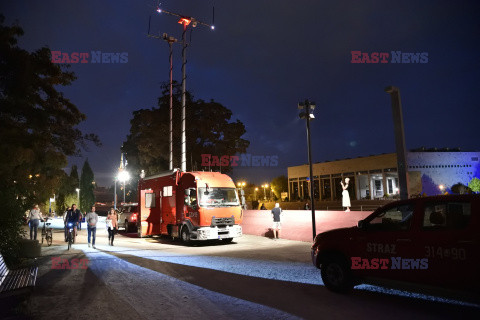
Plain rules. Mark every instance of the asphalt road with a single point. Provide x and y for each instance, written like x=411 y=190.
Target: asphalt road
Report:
x=252 y=278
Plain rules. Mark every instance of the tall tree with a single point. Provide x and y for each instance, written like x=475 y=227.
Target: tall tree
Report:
x=279 y=185
x=37 y=126
x=209 y=131
x=60 y=197
x=87 y=185
x=73 y=184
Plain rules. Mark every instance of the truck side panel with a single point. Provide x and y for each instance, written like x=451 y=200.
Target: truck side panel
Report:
x=154 y=219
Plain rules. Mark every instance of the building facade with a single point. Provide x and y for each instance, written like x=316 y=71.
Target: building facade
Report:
x=373 y=177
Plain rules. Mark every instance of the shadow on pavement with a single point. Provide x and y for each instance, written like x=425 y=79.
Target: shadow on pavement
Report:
x=283 y=295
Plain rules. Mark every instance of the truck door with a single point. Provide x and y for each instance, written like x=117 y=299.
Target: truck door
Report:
x=450 y=243
x=191 y=206
x=168 y=210
x=383 y=240
x=147 y=203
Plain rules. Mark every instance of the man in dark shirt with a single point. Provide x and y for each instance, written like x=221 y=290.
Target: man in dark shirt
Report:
x=276 y=213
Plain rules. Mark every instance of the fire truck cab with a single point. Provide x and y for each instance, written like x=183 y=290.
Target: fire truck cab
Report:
x=431 y=241
x=189 y=205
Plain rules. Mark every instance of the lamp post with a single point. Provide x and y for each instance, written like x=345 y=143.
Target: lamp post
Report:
x=115 y=194
x=123 y=176
x=264 y=186
x=78 y=196
x=255 y=193
x=400 y=145
x=306 y=112
x=50 y=204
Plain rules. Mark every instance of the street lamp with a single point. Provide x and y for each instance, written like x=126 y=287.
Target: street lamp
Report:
x=115 y=194
x=256 y=189
x=241 y=185
x=442 y=188
x=264 y=186
x=306 y=112
x=123 y=176
x=50 y=204
x=78 y=195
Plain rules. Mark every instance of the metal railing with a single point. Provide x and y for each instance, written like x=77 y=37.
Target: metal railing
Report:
x=363 y=207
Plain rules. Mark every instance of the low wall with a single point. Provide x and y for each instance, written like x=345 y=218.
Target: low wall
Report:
x=297 y=224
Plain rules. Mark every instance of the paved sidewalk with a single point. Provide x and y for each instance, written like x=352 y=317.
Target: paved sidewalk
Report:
x=114 y=288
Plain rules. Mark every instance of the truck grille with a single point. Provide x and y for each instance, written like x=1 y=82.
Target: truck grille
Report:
x=223 y=221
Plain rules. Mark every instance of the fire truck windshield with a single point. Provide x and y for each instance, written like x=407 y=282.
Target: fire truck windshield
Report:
x=218 y=197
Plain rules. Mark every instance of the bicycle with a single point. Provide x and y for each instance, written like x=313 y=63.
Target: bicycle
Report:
x=70 y=237
x=47 y=233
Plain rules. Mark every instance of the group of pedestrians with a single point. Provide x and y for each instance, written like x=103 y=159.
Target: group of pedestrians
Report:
x=74 y=217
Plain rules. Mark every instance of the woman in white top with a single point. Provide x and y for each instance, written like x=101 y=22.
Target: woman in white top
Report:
x=345 y=195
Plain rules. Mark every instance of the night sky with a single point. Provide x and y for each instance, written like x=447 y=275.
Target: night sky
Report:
x=265 y=56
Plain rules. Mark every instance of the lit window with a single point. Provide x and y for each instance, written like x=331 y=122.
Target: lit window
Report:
x=149 y=200
x=167 y=191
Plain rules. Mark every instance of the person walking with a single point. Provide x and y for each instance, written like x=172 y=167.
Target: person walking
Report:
x=112 y=225
x=65 y=222
x=277 y=225
x=91 y=219
x=34 y=218
x=80 y=217
x=345 y=195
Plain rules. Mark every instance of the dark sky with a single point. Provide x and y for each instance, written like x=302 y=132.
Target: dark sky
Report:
x=264 y=57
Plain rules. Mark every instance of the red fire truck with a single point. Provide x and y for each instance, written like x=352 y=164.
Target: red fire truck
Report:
x=428 y=241
x=190 y=205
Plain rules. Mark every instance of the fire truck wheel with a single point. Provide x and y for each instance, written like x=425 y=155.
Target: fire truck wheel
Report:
x=336 y=274
x=185 y=235
x=227 y=240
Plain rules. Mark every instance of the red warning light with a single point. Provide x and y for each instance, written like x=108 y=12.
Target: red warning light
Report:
x=184 y=21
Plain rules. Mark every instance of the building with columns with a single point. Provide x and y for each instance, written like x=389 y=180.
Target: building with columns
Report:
x=428 y=171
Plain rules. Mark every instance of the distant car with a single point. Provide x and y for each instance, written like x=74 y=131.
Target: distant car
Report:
x=429 y=241
x=127 y=217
